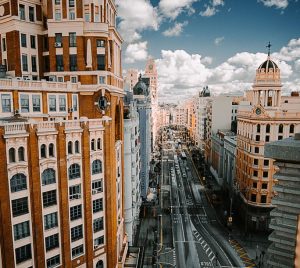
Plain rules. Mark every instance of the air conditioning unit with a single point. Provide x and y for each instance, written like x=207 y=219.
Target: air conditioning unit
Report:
x=57 y=44
x=96 y=246
x=52 y=78
x=16 y=112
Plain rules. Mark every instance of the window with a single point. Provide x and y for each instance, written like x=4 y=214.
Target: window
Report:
x=101 y=62
x=52 y=103
x=58 y=39
x=24 y=103
x=267 y=138
x=21 y=230
x=19 y=206
x=74 y=79
x=72 y=40
x=255 y=162
x=6 y=103
x=97 y=205
x=57 y=15
x=49 y=198
x=100 y=43
x=280 y=137
x=77 y=251
x=100 y=264
x=76 y=233
x=32 y=41
x=24 y=63
x=257 y=138
x=256 y=150
x=53 y=262
x=99 y=241
x=254 y=185
x=77 y=151
x=51 y=150
x=71 y=3
x=12 y=155
x=75 y=212
x=99 y=144
x=23 y=253
x=75 y=192
x=43 y=151
x=22 y=12
x=57 y=2
x=280 y=129
x=97 y=186
x=102 y=79
x=23 y=40
x=21 y=154
x=3 y=44
x=36 y=103
x=48 y=176
x=263 y=199
x=264 y=186
x=50 y=220
x=75 y=103
x=268 y=128
x=74 y=171
x=46 y=60
x=93 y=145
x=255 y=173
x=266 y=162
x=33 y=64
x=62 y=103
x=72 y=15
x=253 y=197
x=73 y=63
x=31 y=14
x=98 y=225
x=59 y=63
x=292 y=128
x=52 y=242
x=265 y=174
x=70 y=147
x=96 y=167
x=258 y=128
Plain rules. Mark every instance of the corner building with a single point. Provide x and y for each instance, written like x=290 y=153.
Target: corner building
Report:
x=269 y=117
x=61 y=135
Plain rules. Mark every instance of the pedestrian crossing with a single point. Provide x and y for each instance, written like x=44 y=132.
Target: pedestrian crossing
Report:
x=208 y=251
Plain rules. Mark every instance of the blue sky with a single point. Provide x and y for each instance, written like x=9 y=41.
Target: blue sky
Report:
x=218 y=43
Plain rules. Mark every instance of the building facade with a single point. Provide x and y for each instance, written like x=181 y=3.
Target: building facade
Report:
x=268 y=117
x=61 y=135
x=132 y=164
x=283 y=252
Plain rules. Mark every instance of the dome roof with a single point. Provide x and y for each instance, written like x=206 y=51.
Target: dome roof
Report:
x=268 y=64
x=140 y=88
x=205 y=92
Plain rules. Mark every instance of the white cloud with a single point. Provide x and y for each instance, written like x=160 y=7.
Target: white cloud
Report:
x=136 y=52
x=136 y=16
x=290 y=52
x=182 y=74
x=211 y=8
x=276 y=3
x=219 y=40
x=176 y=30
x=172 y=8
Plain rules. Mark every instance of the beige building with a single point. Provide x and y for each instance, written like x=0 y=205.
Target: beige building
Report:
x=268 y=117
x=61 y=135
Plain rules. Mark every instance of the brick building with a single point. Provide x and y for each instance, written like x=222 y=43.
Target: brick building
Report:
x=61 y=135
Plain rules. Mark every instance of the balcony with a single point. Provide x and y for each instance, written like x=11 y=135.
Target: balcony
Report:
x=15 y=128
x=46 y=126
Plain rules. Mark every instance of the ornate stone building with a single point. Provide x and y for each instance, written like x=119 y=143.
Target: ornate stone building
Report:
x=269 y=117
x=61 y=135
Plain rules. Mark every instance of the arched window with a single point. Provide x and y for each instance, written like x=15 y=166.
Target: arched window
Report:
x=70 y=147
x=21 y=154
x=48 y=176
x=18 y=183
x=43 y=151
x=74 y=171
x=292 y=128
x=99 y=144
x=280 y=128
x=51 y=150
x=12 y=155
x=96 y=167
x=77 y=147
x=99 y=264
x=268 y=128
x=258 y=128
x=93 y=145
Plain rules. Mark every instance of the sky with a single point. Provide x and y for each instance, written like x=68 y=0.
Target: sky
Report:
x=219 y=43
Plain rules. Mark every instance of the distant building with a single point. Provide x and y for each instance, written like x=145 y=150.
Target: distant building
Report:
x=284 y=250
x=131 y=78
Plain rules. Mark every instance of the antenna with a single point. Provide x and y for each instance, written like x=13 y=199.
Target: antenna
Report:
x=269 y=48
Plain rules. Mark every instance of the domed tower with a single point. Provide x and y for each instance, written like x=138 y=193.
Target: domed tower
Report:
x=140 y=88
x=267 y=85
